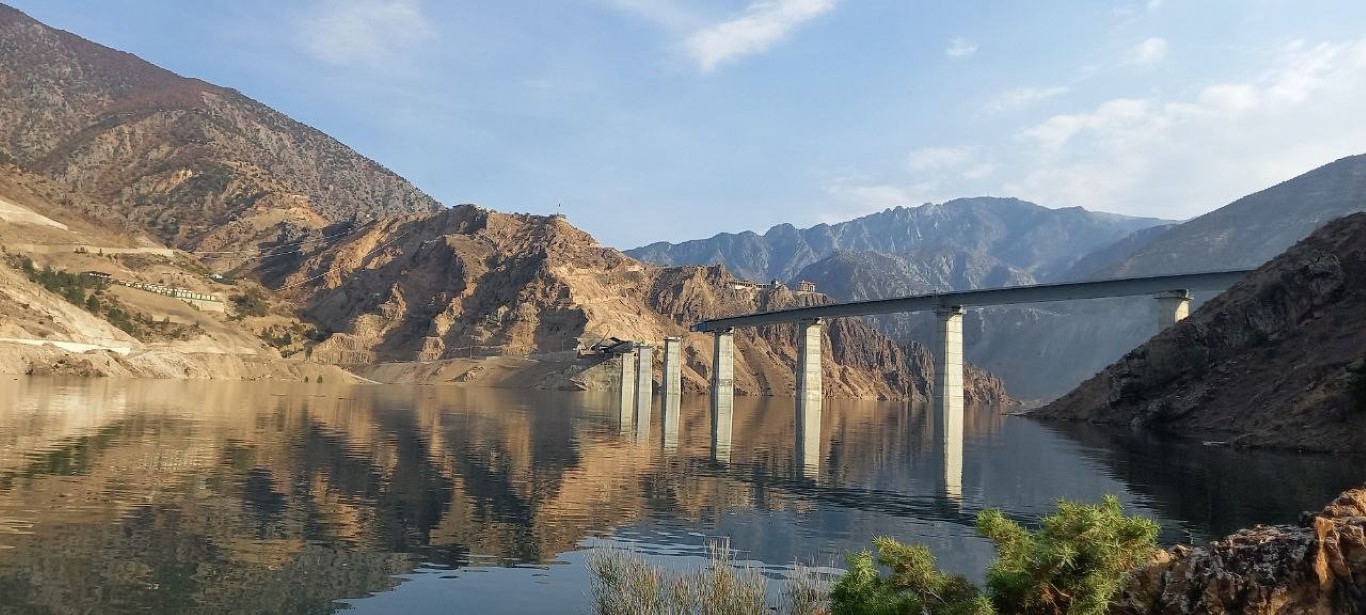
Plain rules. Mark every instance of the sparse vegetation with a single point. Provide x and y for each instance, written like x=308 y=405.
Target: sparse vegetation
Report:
x=250 y=303
x=625 y=584
x=1073 y=564
x=88 y=292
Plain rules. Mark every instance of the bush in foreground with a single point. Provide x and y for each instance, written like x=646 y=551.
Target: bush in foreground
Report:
x=625 y=584
x=1074 y=564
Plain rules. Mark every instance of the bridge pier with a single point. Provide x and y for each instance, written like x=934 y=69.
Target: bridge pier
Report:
x=1172 y=307
x=948 y=374
x=810 y=395
x=809 y=359
x=722 y=393
x=673 y=391
x=626 y=379
x=645 y=389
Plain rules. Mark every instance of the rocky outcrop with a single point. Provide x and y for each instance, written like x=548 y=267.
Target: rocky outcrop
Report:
x=1274 y=361
x=201 y=166
x=1318 y=566
x=469 y=282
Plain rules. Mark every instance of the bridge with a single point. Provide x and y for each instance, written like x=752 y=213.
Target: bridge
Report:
x=1173 y=294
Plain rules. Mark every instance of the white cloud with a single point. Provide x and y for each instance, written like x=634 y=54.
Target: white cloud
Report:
x=939 y=158
x=1150 y=52
x=763 y=24
x=373 y=33
x=855 y=197
x=1056 y=131
x=960 y=48
x=1020 y=97
x=1177 y=158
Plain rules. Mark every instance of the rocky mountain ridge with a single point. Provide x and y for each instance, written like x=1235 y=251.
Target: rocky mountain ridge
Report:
x=1278 y=360
x=203 y=167
x=1252 y=230
x=1040 y=241
x=467 y=280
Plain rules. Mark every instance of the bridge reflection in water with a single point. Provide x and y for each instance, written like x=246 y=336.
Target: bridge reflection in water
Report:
x=186 y=497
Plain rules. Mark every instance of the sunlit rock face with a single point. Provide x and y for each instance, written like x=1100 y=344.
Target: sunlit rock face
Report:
x=199 y=165
x=468 y=280
x=1314 y=567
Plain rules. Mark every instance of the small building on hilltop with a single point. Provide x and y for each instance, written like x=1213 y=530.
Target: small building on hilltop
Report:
x=805 y=286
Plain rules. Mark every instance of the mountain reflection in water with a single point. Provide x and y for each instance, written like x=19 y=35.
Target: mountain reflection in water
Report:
x=183 y=497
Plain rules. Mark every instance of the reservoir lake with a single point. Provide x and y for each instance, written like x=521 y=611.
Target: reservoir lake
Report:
x=267 y=497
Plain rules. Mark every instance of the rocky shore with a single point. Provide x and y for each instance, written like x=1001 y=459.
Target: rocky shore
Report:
x=1315 y=566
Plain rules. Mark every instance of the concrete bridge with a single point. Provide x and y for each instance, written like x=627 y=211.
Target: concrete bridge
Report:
x=1172 y=292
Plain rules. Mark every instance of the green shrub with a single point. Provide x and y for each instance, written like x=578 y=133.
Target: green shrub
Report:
x=1074 y=564
x=913 y=586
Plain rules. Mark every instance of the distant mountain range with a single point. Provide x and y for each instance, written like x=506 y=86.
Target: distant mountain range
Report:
x=1040 y=351
x=1044 y=243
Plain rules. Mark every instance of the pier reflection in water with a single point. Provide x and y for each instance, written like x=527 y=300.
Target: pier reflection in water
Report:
x=182 y=497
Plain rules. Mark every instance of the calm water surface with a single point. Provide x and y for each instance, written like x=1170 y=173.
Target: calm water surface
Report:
x=191 y=497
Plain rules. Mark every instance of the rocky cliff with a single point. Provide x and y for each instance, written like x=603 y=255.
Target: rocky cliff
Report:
x=1274 y=361
x=201 y=166
x=1313 y=567
x=469 y=281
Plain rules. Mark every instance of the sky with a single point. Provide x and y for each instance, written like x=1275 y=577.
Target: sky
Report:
x=667 y=120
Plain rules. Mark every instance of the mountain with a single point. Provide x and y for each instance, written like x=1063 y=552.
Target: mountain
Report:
x=381 y=271
x=1042 y=242
x=1044 y=351
x=463 y=281
x=202 y=167
x=55 y=320
x=1253 y=229
x=1277 y=360
x=854 y=276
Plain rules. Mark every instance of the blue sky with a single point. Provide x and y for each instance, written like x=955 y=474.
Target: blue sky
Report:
x=675 y=119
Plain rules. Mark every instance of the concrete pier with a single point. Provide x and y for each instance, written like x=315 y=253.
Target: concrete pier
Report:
x=951 y=475
x=810 y=396
x=645 y=390
x=673 y=366
x=722 y=393
x=626 y=380
x=808 y=445
x=809 y=359
x=673 y=391
x=1172 y=307
x=948 y=375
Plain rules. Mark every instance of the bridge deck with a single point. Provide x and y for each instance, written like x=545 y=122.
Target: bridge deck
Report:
x=1038 y=293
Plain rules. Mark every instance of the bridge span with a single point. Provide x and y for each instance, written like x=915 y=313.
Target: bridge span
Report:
x=1172 y=292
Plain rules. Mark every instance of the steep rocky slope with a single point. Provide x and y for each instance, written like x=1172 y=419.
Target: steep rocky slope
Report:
x=1040 y=241
x=469 y=281
x=1274 y=361
x=1312 y=567
x=52 y=321
x=1253 y=229
x=201 y=166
